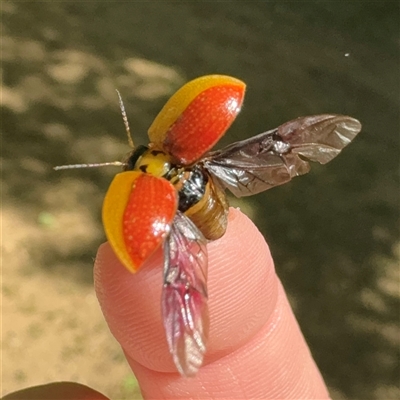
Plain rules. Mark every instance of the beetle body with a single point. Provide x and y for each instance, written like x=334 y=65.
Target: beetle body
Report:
x=199 y=196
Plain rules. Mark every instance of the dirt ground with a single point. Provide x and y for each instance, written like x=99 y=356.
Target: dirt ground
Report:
x=333 y=234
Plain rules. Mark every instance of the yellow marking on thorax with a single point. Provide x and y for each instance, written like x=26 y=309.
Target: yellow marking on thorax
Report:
x=154 y=163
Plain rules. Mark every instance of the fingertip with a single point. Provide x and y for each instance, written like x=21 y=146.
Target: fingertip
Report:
x=241 y=287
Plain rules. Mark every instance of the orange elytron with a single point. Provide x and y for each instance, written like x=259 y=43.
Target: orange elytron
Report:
x=171 y=193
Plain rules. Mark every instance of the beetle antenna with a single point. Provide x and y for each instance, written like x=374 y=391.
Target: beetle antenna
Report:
x=72 y=166
x=106 y=164
x=125 y=119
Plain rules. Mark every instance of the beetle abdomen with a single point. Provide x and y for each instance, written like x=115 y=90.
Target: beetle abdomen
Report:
x=210 y=213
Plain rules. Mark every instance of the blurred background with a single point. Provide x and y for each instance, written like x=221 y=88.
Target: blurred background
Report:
x=333 y=233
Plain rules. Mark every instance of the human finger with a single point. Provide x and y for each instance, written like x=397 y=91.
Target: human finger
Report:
x=255 y=347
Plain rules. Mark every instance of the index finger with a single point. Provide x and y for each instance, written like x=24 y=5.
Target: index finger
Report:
x=255 y=348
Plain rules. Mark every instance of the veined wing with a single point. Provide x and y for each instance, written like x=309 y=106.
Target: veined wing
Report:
x=184 y=296
x=275 y=157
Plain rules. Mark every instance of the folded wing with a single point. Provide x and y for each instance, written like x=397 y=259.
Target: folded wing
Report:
x=184 y=297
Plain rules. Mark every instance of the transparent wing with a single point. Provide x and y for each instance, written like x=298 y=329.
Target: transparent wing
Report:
x=184 y=296
x=320 y=137
x=273 y=158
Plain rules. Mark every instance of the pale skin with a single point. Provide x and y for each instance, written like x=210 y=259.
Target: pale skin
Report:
x=256 y=349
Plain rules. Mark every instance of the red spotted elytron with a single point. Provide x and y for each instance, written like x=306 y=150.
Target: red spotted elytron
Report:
x=171 y=193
